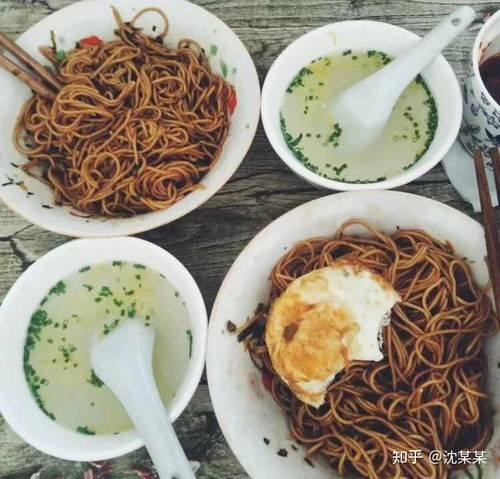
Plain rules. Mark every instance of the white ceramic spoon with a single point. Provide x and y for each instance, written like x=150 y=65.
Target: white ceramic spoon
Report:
x=123 y=360
x=363 y=110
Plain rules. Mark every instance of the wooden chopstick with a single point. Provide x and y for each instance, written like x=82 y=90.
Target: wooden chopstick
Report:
x=29 y=61
x=490 y=229
x=495 y=160
x=26 y=78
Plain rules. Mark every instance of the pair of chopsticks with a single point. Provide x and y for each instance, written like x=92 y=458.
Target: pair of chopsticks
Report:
x=490 y=229
x=38 y=78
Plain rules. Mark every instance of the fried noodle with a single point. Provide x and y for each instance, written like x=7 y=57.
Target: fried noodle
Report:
x=428 y=393
x=134 y=128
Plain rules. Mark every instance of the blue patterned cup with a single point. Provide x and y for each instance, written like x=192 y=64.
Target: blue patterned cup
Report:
x=481 y=117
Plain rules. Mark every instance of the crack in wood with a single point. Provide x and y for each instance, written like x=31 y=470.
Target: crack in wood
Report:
x=285 y=191
x=13 y=235
x=252 y=175
x=20 y=254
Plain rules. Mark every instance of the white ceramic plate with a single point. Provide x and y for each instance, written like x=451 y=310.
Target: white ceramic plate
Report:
x=244 y=408
x=228 y=56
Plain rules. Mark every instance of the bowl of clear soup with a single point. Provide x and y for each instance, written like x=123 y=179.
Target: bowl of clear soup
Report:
x=319 y=65
x=51 y=396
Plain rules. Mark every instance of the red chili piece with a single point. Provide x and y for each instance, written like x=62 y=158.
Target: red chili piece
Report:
x=92 y=41
x=232 y=102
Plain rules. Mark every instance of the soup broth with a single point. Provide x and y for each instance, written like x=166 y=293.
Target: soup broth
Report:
x=315 y=138
x=94 y=301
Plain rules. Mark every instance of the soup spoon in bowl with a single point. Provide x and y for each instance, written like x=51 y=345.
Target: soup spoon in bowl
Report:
x=362 y=110
x=123 y=361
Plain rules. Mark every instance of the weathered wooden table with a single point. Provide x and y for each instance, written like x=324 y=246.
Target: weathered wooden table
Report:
x=209 y=239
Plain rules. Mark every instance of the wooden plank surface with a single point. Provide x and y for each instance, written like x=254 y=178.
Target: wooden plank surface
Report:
x=208 y=240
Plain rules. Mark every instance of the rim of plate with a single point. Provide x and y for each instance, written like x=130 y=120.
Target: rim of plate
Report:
x=112 y=227
x=217 y=392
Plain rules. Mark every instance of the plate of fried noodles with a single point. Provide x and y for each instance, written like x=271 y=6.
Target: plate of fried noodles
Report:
x=429 y=409
x=156 y=104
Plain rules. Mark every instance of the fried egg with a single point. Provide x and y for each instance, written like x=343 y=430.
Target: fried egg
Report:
x=324 y=320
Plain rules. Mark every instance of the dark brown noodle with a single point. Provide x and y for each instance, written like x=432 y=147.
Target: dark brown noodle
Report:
x=135 y=127
x=427 y=393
